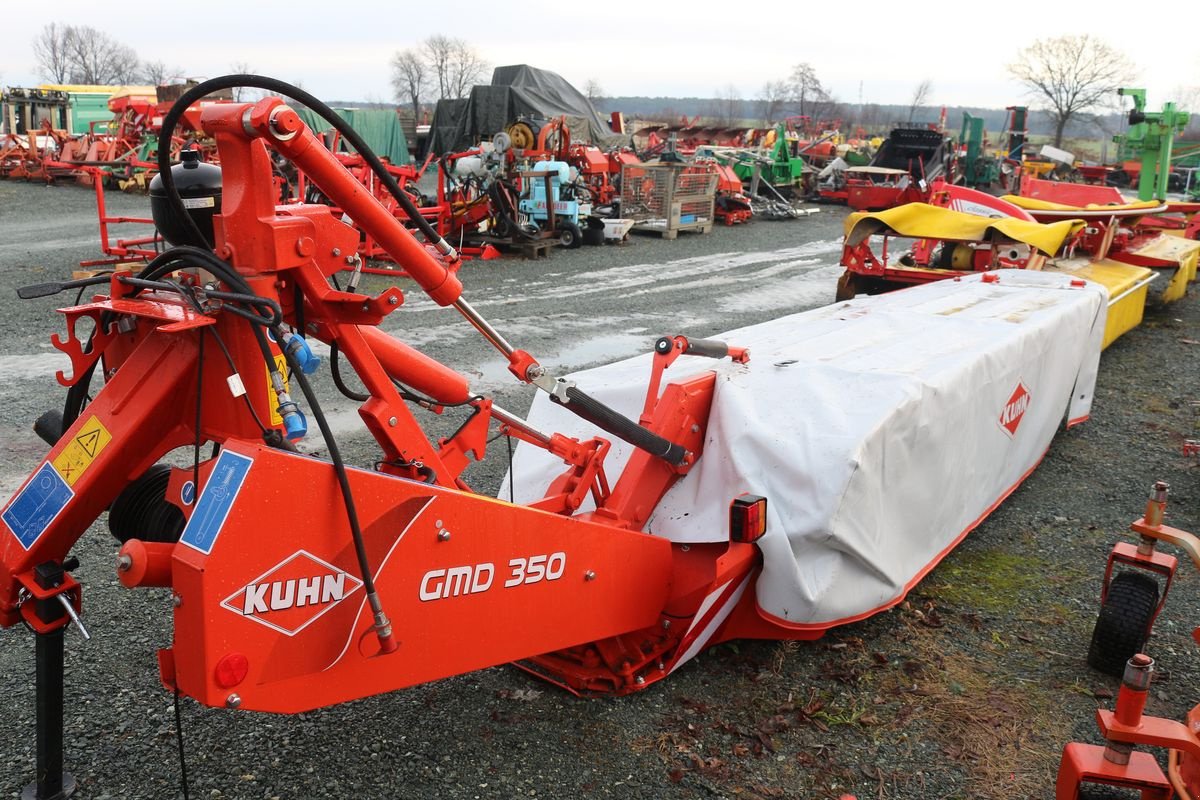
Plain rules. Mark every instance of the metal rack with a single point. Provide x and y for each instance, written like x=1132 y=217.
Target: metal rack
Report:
x=668 y=198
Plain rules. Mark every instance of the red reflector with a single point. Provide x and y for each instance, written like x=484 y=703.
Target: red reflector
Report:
x=231 y=670
x=990 y=277
x=1078 y=283
x=747 y=518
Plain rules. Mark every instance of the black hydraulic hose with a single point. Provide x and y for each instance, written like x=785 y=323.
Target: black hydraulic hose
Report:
x=295 y=93
x=500 y=199
x=621 y=426
x=336 y=371
x=339 y=466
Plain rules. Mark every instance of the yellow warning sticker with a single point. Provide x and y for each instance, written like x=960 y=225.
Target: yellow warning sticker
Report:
x=272 y=401
x=90 y=440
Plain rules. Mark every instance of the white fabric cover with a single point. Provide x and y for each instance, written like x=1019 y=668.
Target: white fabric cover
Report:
x=873 y=427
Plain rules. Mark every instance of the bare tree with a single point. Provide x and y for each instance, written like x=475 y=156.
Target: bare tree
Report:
x=1189 y=100
x=241 y=94
x=157 y=73
x=408 y=79
x=771 y=100
x=593 y=90
x=467 y=68
x=920 y=96
x=97 y=58
x=729 y=105
x=50 y=50
x=438 y=52
x=806 y=90
x=1071 y=74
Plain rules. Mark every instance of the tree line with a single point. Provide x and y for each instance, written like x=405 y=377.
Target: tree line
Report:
x=82 y=54
x=1067 y=77
x=441 y=67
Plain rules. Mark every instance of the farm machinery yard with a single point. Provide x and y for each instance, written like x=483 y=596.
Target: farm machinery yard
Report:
x=712 y=574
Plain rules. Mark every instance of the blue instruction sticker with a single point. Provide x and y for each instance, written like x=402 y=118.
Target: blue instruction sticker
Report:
x=216 y=499
x=32 y=511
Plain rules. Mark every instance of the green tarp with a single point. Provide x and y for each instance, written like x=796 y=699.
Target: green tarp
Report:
x=379 y=128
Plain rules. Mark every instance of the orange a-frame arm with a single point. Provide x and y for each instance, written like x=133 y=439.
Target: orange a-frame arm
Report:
x=130 y=425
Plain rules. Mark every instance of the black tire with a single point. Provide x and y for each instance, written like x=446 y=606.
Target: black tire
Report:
x=847 y=287
x=1124 y=622
x=141 y=510
x=569 y=235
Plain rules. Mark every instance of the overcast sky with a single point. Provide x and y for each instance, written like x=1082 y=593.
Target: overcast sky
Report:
x=871 y=50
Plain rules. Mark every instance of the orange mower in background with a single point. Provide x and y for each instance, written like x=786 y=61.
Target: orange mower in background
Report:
x=1130 y=602
x=300 y=582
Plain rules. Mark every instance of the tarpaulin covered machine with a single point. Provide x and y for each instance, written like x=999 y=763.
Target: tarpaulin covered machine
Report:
x=712 y=493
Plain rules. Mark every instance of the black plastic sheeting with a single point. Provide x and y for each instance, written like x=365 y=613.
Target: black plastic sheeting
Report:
x=516 y=91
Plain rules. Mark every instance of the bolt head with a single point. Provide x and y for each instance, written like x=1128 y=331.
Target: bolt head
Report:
x=392 y=421
x=589 y=575
x=393 y=301
x=639 y=680
x=443 y=535
x=233 y=701
x=337 y=251
x=176 y=600
x=124 y=562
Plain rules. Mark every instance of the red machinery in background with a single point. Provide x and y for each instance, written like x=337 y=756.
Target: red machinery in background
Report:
x=300 y=582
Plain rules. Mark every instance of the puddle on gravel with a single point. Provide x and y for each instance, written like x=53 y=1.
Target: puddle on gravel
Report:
x=601 y=350
x=34 y=365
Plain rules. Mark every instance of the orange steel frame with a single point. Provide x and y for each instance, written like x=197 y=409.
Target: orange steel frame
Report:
x=1127 y=725
x=269 y=612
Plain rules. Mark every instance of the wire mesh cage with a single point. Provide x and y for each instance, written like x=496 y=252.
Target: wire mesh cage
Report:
x=667 y=197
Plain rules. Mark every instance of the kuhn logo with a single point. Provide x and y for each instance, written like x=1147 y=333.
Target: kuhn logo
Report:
x=293 y=594
x=1014 y=410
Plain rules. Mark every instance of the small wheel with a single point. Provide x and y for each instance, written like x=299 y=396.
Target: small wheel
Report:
x=141 y=510
x=847 y=287
x=569 y=235
x=1124 y=622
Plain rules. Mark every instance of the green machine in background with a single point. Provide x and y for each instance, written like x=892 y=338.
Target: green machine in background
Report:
x=978 y=168
x=1152 y=134
x=782 y=170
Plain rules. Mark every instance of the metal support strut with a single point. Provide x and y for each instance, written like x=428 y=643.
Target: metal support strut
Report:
x=51 y=613
x=52 y=782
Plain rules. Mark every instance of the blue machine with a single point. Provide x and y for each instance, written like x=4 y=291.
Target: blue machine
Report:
x=567 y=210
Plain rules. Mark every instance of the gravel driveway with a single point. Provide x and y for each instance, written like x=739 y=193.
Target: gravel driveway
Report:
x=968 y=690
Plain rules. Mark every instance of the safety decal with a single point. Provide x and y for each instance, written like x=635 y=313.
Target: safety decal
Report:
x=216 y=499
x=43 y=498
x=89 y=441
x=293 y=594
x=281 y=365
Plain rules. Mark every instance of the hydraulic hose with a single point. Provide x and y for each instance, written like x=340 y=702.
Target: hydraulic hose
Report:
x=295 y=93
x=589 y=408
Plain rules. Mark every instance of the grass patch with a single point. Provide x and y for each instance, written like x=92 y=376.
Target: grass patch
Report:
x=989 y=580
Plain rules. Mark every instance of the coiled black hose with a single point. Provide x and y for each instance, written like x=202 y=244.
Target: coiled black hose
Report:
x=295 y=93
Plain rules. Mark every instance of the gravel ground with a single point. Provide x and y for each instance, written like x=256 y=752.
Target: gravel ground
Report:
x=968 y=690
